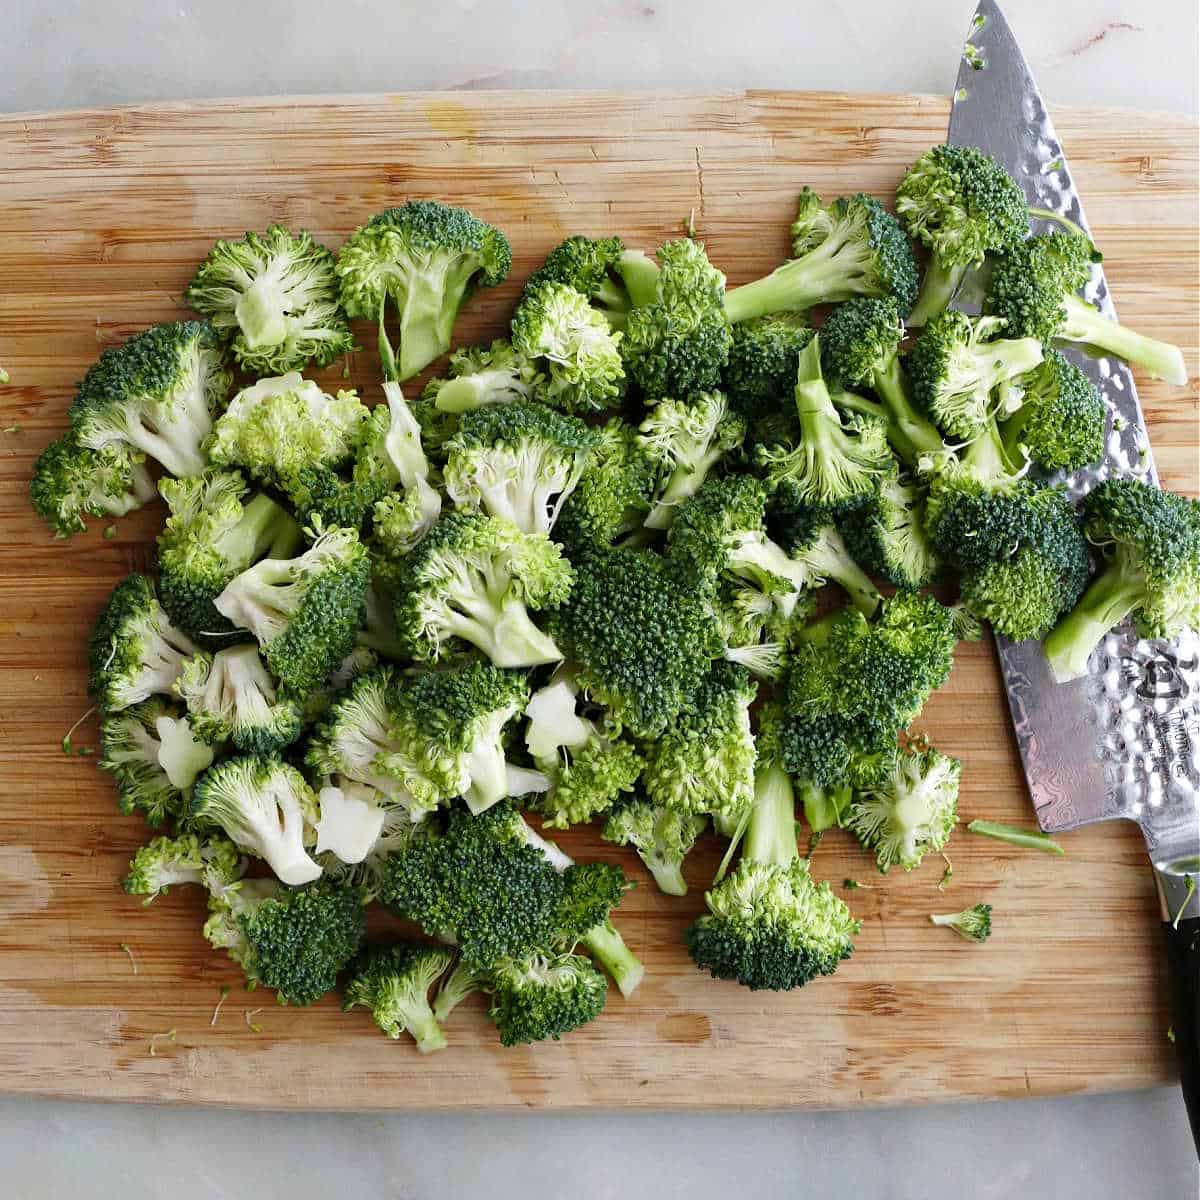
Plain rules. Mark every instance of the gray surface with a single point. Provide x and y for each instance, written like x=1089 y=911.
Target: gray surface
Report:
x=66 y=53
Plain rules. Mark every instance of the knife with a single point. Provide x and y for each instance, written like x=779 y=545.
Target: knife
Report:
x=1123 y=742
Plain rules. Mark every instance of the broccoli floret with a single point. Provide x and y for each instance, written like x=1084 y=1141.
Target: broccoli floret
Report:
x=129 y=751
x=397 y=831
x=421 y=741
x=974 y=923
x=266 y=808
x=959 y=368
x=304 y=612
x=678 y=345
x=762 y=363
x=555 y=328
x=284 y=426
x=1033 y=288
x=911 y=812
x=294 y=940
x=214 y=863
x=71 y=482
x=642 y=642
x=888 y=536
x=456 y=987
x=1150 y=571
x=155 y=393
x=686 y=441
x=1061 y=422
x=214 y=533
x=962 y=205
x=768 y=924
x=276 y=295
x=426 y=258
x=662 y=837
x=519 y=462
x=586 y=770
x=393 y=982
x=482 y=375
x=756 y=628
x=612 y=497
x=134 y=651
x=612 y=278
x=703 y=762
x=231 y=698
x=475 y=578
x=835 y=463
x=851 y=248
x=544 y=995
x=860 y=347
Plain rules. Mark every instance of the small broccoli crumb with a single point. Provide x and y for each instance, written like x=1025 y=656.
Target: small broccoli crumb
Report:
x=251 y=1024
x=1188 y=894
x=947 y=874
x=155 y=1038
x=127 y=949
x=225 y=990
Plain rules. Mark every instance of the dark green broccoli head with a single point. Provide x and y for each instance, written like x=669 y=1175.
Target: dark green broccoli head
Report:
x=71 y=482
x=711 y=527
x=859 y=340
x=642 y=641
x=760 y=375
x=1031 y=281
x=887 y=535
x=393 y=982
x=591 y=266
x=544 y=995
x=1062 y=419
x=424 y=258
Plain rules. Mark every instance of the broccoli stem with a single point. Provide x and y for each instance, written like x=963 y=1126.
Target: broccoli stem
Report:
x=771 y=832
x=914 y=430
x=468 y=392
x=260 y=314
x=264 y=531
x=938 y=287
x=640 y=275
x=899 y=440
x=824 y=808
x=684 y=483
x=829 y=559
x=668 y=875
x=1086 y=325
x=1109 y=599
x=605 y=944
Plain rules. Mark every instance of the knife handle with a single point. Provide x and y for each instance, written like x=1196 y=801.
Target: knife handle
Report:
x=1183 y=955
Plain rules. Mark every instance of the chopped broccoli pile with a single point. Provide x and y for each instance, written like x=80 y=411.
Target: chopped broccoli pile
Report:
x=657 y=562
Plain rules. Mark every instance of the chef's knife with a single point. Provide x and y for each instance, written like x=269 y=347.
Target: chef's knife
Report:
x=1125 y=740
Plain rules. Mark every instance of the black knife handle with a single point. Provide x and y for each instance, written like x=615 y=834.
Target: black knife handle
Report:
x=1183 y=954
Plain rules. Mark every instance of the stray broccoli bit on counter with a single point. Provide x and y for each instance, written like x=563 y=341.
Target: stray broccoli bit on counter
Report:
x=655 y=559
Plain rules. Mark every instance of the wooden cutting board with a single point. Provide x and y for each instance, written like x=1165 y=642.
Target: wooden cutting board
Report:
x=104 y=215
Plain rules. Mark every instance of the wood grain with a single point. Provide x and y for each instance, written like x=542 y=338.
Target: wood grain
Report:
x=104 y=214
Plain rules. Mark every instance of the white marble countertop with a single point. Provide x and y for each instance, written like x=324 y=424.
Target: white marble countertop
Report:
x=69 y=53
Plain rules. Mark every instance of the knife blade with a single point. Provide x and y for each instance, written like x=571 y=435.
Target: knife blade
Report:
x=1124 y=741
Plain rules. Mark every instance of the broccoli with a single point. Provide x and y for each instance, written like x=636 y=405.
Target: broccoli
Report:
x=231 y=698
x=678 y=345
x=397 y=832
x=129 y=752
x=974 y=923
x=585 y=769
x=1150 y=571
x=481 y=375
x=703 y=762
x=456 y=987
x=852 y=247
x=555 y=328
x=71 y=482
x=768 y=924
x=911 y=812
x=835 y=463
x=266 y=808
x=642 y=643
x=962 y=205
x=887 y=535
x=1061 y=422
x=686 y=441
x=276 y=295
x=612 y=278
x=304 y=612
x=475 y=578
x=755 y=632
x=662 y=837
x=282 y=429
x=134 y=651
x=519 y=462
x=1033 y=286
x=422 y=741
x=393 y=982
x=165 y=862
x=425 y=258
x=155 y=394
x=959 y=367
x=612 y=497
x=294 y=940
x=181 y=754
x=351 y=823
x=544 y=995
x=860 y=347
x=762 y=362
x=212 y=534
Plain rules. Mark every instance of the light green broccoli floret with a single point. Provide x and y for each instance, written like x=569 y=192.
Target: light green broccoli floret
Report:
x=393 y=982
x=213 y=863
x=71 y=482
